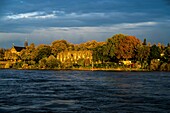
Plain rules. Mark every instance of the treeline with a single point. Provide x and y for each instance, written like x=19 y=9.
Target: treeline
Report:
x=108 y=54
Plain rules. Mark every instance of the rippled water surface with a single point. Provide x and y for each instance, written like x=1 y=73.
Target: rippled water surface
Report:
x=23 y=91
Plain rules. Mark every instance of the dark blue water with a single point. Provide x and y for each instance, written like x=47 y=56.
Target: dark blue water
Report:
x=23 y=91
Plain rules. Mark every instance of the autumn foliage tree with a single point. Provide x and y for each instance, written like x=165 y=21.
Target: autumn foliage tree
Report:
x=122 y=46
x=90 y=45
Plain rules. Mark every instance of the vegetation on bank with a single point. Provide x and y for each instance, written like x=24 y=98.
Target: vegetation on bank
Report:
x=120 y=52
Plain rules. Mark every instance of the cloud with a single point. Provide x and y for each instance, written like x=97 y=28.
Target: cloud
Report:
x=31 y=15
x=80 y=13
x=83 y=34
x=136 y=25
x=56 y=18
x=107 y=29
x=81 y=20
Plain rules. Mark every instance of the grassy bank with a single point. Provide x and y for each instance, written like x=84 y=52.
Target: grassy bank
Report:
x=90 y=69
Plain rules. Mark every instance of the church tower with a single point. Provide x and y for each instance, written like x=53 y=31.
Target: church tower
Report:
x=25 y=43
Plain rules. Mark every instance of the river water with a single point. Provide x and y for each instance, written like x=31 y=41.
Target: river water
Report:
x=23 y=91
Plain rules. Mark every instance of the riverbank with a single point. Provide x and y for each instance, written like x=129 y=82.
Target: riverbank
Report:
x=86 y=69
x=11 y=65
x=109 y=69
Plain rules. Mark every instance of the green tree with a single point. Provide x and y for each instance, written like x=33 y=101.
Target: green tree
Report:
x=43 y=63
x=59 y=46
x=155 y=52
x=167 y=54
x=142 y=55
x=168 y=45
x=144 y=42
x=99 y=54
x=2 y=53
x=81 y=62
x=52 y=62
x=41 y=51
x=28 y=53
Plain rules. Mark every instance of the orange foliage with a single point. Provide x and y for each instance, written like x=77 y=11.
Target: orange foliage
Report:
x=125 y=47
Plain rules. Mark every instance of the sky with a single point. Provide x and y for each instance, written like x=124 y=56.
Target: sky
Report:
x=77 y=21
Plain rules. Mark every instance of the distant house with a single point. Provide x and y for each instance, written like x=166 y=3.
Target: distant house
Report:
x=14 y=53
x=17 y=49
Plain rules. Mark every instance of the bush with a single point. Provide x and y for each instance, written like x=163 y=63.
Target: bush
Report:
x=163 y=67
x=52 y=62
x=31 y=62
x=168 y=67
x=81 y=62
x=154 y=66
x=25 y=66
x=42 y=63
x=8 y=65
x=17 y=65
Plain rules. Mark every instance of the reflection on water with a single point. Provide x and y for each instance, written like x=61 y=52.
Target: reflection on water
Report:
x=84 y=91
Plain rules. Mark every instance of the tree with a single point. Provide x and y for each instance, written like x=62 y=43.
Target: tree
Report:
x=122 y=46
x=167 y=54
x=144 y=42
x=43 y=63
x=99 y=54
x=81 y=62
x=110 y=45
x=2 y=53
x=143 y=52
x=11 y=56
x=168 y=45
x=90 y=45
x=28 y=53
x=52 y=62
x=59 y=46
x=42 y=51
x=155 y=52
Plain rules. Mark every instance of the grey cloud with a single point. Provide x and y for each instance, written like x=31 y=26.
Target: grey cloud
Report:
x=71 y=16
x=34 y=20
